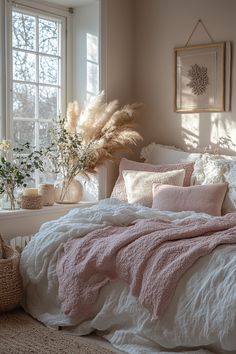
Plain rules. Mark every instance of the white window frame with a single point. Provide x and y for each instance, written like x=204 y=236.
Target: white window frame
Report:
x=65 y=18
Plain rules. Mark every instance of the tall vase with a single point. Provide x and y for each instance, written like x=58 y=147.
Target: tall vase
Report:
x=68 y=191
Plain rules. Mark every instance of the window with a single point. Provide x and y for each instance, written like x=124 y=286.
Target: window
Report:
x=92 y=62
x=36 y=54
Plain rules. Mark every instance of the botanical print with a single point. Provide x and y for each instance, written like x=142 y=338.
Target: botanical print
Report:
x=198 y=79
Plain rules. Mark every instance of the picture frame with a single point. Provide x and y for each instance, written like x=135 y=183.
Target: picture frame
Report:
x=200 y=78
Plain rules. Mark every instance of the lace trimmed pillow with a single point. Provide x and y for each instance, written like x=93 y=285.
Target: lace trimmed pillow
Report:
x=138 y=184
x=214 y=169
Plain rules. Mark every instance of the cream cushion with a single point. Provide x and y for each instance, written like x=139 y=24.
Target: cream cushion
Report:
x=119 y=191
x=138 y=184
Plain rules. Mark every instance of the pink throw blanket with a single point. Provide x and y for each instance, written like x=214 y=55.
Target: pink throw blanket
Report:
x=150 y=256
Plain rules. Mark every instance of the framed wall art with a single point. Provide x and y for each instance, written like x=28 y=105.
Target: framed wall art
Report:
x=200 y=78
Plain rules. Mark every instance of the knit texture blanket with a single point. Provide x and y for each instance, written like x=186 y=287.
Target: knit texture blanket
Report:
x=149 y=255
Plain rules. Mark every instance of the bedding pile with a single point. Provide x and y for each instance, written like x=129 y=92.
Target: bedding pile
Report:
x=150 y=256
x=200 y=315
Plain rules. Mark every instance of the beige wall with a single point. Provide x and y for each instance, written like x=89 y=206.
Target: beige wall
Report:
x=117 y=49
x=138 y=39
x=162 y=25
x=117 y=58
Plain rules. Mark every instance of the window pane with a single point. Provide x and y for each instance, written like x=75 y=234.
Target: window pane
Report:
x=47 y=177
x=48 y=37
x=36 y=76
x=24 y=66
x=44 y=140
x=89 y=96
x=23 y=132
x=92 y=48
x=48 y=98
x=23 y=100
x=92 y=78
x=48 y=70
x=23 y=31
x=44 y=133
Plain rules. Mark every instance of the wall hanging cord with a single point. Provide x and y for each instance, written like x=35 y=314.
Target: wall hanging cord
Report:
x=194 y=29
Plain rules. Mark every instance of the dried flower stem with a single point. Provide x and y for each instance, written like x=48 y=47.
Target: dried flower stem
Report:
x=85 y=140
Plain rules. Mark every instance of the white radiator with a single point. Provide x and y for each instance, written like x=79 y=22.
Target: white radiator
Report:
x=20 y=242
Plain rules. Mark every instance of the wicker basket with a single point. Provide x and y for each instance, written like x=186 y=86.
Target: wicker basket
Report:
x=11 y=290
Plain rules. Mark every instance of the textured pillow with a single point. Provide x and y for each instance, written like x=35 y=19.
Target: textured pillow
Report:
x=119 y=191
x=206 y=198
x=216 y=169
x=159 y=154
x=138 y=184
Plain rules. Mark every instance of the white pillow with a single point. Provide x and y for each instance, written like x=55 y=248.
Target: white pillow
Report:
x=138 y=184
x=159 y=154
x=216 y=169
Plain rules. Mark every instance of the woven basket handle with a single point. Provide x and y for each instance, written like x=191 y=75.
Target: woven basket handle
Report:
x=2 y=247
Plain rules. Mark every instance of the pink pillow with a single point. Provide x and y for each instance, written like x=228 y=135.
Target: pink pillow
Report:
x=119 y=191
x=206 y=198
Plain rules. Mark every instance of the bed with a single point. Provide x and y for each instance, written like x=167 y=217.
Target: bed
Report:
x=149 y=278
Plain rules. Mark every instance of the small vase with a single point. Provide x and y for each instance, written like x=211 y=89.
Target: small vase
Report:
x=68 y=191
x=10 y=202
x=47 y=192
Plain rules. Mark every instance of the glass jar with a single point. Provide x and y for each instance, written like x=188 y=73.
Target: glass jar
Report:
x=11 y=201
x=46 y=190
x=68 y=191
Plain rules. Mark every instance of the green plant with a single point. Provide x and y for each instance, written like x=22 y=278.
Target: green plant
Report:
x=16 y=166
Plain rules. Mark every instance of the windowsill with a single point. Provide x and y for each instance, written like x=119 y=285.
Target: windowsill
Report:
x=45 y=210
x=25 y=222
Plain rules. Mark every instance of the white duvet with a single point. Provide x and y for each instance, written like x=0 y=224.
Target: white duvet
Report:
x=201 y=318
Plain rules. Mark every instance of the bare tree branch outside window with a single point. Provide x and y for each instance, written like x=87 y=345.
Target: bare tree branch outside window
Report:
x=36 y=76
x=36 y=66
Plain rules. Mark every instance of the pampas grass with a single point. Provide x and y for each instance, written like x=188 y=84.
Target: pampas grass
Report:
x=87 y=138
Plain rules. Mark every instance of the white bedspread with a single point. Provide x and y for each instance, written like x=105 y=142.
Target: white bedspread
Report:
x=203 y=312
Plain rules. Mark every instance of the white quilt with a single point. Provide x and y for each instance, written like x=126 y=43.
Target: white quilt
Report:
x=201 y=315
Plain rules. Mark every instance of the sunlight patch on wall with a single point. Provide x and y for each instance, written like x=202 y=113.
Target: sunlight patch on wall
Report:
x=223 y=131
x=215 y=128
x=190 y=130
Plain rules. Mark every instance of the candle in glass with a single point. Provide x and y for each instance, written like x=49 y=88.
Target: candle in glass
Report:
x=30 y=192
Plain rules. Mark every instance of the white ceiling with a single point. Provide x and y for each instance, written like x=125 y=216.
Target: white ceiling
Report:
x=69 y=3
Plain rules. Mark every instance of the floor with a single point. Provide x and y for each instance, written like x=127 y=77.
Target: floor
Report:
x=17 y=327
x=100 y=341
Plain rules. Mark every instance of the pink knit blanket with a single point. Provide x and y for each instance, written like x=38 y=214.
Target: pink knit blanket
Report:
x=149 y=255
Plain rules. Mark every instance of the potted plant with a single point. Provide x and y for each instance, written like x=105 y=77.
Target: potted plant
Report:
x=16 y=166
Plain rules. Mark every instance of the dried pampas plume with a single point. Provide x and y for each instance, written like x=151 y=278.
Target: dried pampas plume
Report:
x=99 y=131
x=72 y=116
